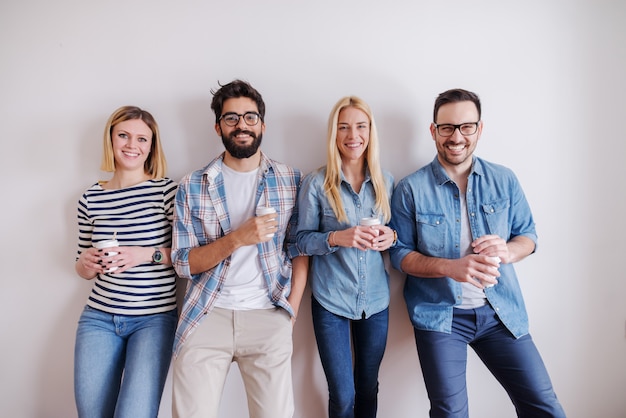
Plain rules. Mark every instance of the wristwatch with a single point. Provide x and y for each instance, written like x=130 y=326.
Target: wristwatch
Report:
x=157 y=256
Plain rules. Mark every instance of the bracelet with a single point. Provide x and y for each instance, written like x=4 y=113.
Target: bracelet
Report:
x=395 y=237
x=331 y=239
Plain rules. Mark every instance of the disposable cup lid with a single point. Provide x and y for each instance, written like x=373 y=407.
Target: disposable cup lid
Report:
x=106 y=243
x=265 y=210
x=370 y=221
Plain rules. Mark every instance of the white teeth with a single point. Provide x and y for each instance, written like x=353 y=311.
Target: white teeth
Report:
x=131 y=154
x=456 y=147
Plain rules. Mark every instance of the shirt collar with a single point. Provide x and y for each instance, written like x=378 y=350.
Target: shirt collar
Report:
x=442 y=177
x=365 y=180
x=214 y=168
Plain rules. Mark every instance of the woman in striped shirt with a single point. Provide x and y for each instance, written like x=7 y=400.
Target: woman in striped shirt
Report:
x=126 y=331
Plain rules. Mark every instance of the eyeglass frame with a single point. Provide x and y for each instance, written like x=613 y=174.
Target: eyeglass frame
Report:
x=437 y=125
x=241 y=115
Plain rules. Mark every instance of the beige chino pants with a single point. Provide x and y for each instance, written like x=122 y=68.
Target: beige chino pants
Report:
x=260 y=341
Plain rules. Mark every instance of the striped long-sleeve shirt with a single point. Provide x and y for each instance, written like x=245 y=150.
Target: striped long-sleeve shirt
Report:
x=140 y=215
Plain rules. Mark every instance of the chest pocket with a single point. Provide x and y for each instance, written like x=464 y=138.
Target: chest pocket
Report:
x=205 y=225
x=329 y=221
x=496 y=216
x=431 y=234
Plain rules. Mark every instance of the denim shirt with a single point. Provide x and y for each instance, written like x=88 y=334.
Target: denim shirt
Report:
x=426 y=212
x=348 y=282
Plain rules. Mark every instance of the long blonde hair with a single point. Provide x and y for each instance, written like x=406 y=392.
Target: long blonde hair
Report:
x=332 y=180
x=155 y=164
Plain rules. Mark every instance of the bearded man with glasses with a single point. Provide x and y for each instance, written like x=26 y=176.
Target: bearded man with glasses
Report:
x=243 y=292
x=462 y=222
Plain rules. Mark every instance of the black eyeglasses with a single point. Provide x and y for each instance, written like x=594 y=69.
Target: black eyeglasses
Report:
x=447 y=129
x=232 y=118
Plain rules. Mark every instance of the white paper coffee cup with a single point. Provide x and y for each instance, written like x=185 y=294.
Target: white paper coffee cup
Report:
x=488 y=285
x=374 y=220
x=108 y=243
x=265 y=210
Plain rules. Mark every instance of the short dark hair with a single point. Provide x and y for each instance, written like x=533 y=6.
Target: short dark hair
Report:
x=454 y=96
x=232 y=90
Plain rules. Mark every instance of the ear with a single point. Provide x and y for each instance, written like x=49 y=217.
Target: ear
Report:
x=218 y=129
x=433 y=131
x=480 y=129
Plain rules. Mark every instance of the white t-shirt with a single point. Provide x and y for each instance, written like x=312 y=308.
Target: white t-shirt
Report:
x=245 y=286
x=473 y=297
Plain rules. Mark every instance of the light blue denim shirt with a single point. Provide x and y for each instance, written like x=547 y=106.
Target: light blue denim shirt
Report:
x=426 y=212
x=346 y=281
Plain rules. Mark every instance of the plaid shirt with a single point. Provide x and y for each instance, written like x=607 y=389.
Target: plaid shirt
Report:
x=201 y=217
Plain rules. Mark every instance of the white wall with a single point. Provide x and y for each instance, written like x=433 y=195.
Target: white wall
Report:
x=551 y=76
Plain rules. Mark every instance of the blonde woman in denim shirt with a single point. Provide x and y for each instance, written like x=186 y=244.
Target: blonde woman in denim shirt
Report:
x=348 y=277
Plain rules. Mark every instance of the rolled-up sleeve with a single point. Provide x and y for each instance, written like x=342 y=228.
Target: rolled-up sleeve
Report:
x=312 y=239
x=403 y=221
x=183 y=235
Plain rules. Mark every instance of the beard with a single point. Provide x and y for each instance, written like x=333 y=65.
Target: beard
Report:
x=455 y=159
x=242 y=151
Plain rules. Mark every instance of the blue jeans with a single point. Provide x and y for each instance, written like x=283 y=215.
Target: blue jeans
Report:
x=108 y=346
x=515 y=363
x=352 y=388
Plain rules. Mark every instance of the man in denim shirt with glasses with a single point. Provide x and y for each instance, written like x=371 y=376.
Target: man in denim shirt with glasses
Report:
x=462 y=222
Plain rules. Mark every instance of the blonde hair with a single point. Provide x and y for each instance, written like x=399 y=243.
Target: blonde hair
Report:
x=155 y=164
x=332 y=180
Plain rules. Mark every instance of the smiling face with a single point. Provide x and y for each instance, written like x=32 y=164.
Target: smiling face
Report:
x=455 y=152
x=131 y=140
x=242 y=140
x=353 y=133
